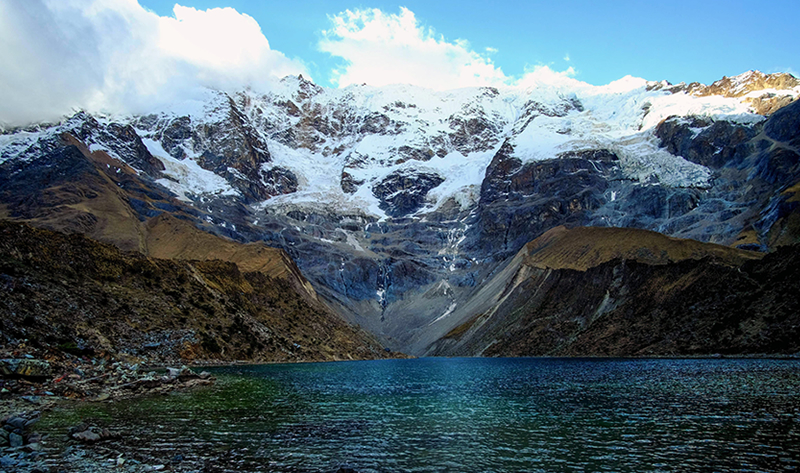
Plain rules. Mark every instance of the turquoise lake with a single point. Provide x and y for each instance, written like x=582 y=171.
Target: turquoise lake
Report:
x=480 y=415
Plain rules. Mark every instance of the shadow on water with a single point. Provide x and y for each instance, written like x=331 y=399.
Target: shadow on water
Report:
x=471 y=415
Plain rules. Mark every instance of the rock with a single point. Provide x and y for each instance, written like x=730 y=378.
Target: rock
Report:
x=16 y=422
x=31 y=399
x=25 y=367
x=350 y=184
x=15 y=439
x=88 y=436
x=705 y=141
x=404 y=192
x=197 y=382
x=784 y=125
x=173 y=372
x=148 y=383
x=280 y=181
x=33 y=447
x=8 y=367
x=92 y=434
x=519 y=202
x=7 y=461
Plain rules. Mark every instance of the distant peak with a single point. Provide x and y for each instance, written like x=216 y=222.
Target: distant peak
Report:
x=734 y=86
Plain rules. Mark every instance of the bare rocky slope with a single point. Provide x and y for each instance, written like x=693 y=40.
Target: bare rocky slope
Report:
x=626 y=292
x=72 y=292
x=399 y=205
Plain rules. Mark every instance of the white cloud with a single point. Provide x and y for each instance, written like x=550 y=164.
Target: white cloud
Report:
x=543 y=76
x=566 y=57
x=786 y=69
x=115 y=56
x=381 y=49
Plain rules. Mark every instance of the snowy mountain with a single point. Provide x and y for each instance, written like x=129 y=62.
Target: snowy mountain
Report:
x=397 y=202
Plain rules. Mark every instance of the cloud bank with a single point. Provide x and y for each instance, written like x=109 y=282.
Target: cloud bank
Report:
x=381 y=49
x=113 y=56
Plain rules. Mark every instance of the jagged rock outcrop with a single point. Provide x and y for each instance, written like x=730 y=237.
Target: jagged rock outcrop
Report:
x=705 y=141
x=226 y=143
x=760 y=90
x=402 y=193
x=517 y=201
x=743 y=84
x=784 y=125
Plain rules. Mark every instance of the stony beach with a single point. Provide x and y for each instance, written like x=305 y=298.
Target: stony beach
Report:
x=36 y=380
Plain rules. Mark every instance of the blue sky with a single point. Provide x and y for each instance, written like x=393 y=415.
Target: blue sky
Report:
x=680 y=41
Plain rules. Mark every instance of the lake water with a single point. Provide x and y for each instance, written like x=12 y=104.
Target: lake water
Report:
x=479 y=415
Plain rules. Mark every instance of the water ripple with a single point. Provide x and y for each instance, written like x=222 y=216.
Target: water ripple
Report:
x=480 y=415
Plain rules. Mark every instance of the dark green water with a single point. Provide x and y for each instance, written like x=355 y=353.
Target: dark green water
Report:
x=479 y=415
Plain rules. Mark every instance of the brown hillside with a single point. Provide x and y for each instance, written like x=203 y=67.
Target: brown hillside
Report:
x=171 y=238
x=71 y=291
x=585 y=247
x=623 y=292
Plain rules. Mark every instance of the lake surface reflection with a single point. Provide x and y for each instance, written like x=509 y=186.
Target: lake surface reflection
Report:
x=481 y=415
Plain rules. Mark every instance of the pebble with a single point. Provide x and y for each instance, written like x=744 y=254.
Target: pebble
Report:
x=31 y=399
x=15 y=439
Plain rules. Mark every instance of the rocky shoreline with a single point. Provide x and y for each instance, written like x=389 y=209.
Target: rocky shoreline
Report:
x=35 y=380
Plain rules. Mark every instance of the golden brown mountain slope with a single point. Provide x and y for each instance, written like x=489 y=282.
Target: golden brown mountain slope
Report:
x=585 y=247
x=170 y=238
x=92 y=193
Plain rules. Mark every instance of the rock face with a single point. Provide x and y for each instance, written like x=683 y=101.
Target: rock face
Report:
x=398 y=204
x=402 y=193
x=764 y=92
x=518 y=201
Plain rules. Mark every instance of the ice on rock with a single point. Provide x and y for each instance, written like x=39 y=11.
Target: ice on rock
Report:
x=371 y=132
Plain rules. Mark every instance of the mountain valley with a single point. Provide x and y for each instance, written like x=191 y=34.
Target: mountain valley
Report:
x=554 y=218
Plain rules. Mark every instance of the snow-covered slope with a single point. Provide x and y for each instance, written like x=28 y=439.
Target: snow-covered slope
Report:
x=362 y=134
